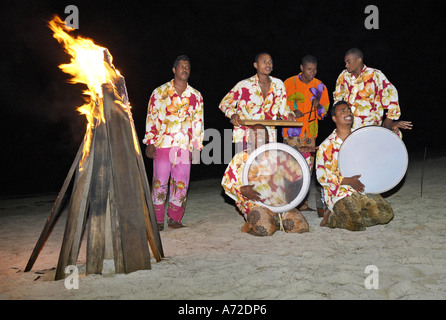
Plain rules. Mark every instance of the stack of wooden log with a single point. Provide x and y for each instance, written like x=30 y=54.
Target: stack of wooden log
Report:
x=110 y=200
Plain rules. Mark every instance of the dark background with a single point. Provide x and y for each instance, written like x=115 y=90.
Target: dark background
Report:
x=41 y=130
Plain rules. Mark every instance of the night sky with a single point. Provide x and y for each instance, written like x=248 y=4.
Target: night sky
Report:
x=41 y=130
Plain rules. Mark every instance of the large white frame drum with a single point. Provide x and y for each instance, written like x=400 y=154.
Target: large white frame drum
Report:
x=306 y=175
x=377 y=154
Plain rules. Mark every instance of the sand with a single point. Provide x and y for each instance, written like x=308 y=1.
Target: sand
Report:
x=212 y=259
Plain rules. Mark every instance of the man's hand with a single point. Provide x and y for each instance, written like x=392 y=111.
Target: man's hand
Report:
x=150 y=151
x=195 y=156
x=401 y=125
x=249 y=192
x=234 y=120
x=291 y=117
x=354 y=182
x=298 y=114
x=396 y=125
x=304 y=149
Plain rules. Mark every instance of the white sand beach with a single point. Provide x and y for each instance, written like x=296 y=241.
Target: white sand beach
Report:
x=212 y=259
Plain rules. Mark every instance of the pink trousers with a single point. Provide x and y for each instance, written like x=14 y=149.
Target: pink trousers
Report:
x=173 y=163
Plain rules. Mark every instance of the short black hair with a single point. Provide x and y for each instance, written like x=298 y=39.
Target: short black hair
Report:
x=333 y=108
x=356 y=52
x=308 y=59
x=256 y=58
x=259 y=125
x=180 y=58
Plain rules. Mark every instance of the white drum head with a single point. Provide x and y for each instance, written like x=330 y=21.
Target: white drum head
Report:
x=377 y=154
x=280 y=174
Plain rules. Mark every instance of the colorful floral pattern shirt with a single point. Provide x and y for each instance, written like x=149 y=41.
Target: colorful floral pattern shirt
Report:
x=173 y=120
x=327 y=170
x=233 y=180
x=368 y=96
x=246 y=100
x=300 y=97
x=268 y=173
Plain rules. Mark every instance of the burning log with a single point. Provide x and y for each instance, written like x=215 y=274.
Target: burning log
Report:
x=111 y=194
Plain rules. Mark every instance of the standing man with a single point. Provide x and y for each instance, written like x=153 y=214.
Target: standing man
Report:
x=308 y=98
x=369 y=93
x=174 y=129
x=260 y=97
x=349 y=207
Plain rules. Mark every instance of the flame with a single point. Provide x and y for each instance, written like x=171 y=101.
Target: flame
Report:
x=90 y=64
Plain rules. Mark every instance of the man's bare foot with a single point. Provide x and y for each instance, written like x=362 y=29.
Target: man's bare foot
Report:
x=305 y=208
x=324 y=221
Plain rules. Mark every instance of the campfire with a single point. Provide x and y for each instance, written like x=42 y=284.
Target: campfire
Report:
x=110 y=198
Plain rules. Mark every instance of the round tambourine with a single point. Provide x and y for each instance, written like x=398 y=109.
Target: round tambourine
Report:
x=280 y=174
x=377 y=154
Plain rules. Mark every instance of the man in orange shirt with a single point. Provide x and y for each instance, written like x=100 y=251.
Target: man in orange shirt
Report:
x=308 y=98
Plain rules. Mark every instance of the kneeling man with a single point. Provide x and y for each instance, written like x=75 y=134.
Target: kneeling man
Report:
x=350 y=208
x=260 y=220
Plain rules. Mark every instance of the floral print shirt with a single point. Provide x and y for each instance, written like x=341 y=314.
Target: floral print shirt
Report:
x=327 y=170
x=173 y=120
x=232 y=182
x=368 y=96
x=246 y=100
x=300 y=97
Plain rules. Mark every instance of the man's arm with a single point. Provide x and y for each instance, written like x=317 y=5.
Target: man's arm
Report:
x=387 y=95
x=284 y=110
x=396 y=125
x=232 y=177
x=198 y=124
x=249 y=192
x=151 y=127
x=229 y=103
x=341 y=92
x=322 y=104
x=353 y=182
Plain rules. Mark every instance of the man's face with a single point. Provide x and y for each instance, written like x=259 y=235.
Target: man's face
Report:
x=264 y=64
x=352 y=63
x=258 y=136
x=344 y=115
x=309 y=71
x=182 y=70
